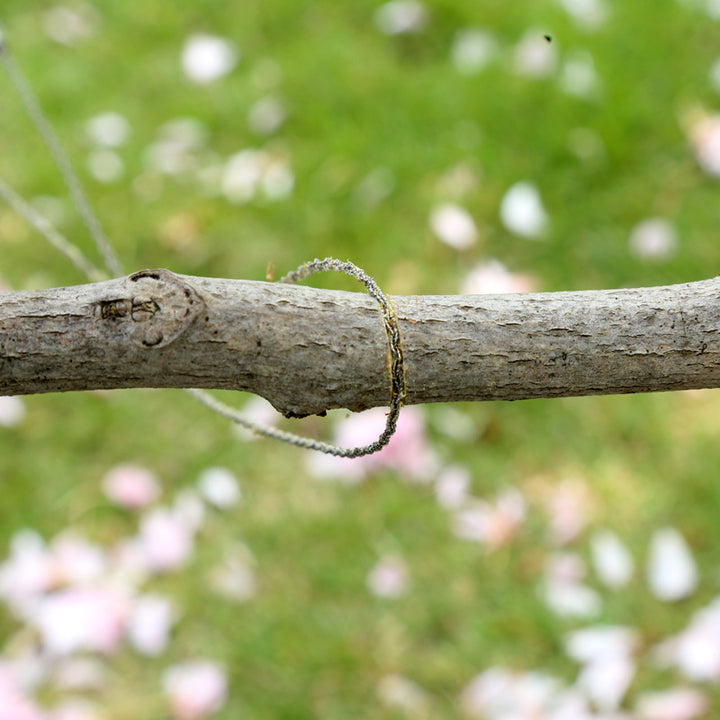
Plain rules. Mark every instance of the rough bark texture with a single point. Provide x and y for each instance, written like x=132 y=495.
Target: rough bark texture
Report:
x=308 y=350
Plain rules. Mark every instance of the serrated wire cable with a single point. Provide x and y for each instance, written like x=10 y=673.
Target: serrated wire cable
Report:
x=398 y=386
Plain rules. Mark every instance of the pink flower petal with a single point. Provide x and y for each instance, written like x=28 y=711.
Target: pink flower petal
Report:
x=15 y=704
x=454 y=226
x=674 y=704
x=389 y=577
x=451 y=487
x=149 y=624
x=75 y=561
x=195 y=690
x=704 y=133
x=493 y=278
x=568 y=507
x=28 y=571
x=131 y=486
x=563 y=591
x=409 y=452
x=81 y=619
x=493 y=524
x=166 y=540
x=653 y=239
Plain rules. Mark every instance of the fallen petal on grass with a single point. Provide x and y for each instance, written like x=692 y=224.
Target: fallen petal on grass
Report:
x=131 y=486
x=612 y=561
x=673 y=704
x=195 y=690
x=671 y=570
x=388 y=578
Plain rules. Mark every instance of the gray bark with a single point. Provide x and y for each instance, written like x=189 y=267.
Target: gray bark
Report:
x=308 y=350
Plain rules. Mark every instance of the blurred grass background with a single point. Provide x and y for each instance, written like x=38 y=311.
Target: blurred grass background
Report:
x=314 y=642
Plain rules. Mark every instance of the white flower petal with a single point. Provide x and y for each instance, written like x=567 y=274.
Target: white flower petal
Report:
x=149 y=623
x=81 y=619
x=493 y=278
x=696 y=650
x=671 y=570
x=12 y=410
x=195 y=689
x=259 y=411
x=399 y=17
x=522 y=211
x=673 y=704
x=491 y=524
x=454 y=226
x=278 y=180
x=568 y=508
x=497 y=694
x=697 y=655
x=704 y=134
x=589 y=14
x=612 y=562
x=109 y=129
x=472 y=50
x=165 y=539
x=189 y=510
x=579 y=76
x=389 y=577
x=606 y=681
x=653 y=239
x=243 y=173
x=534 y=56
x=206 y=57
x=451 y=486
x=219 y=487
x=571 y=599
x=600 y=642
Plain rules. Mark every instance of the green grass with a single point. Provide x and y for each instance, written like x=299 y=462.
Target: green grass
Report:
x=314 y=642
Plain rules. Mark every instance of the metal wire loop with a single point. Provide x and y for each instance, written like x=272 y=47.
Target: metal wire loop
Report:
x=398 y=388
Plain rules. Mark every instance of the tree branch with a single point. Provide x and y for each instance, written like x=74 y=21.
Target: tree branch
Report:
x=308 y=350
